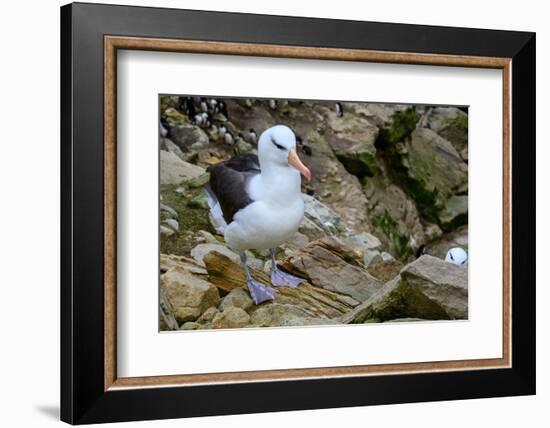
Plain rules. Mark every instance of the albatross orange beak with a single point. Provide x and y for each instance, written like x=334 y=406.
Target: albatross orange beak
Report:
x=295 y=161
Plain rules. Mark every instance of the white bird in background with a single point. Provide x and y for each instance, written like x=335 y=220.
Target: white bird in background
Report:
x=339 y=109
x=252 y=135
x=457 y=256
x=256 y=201
x=228 y=137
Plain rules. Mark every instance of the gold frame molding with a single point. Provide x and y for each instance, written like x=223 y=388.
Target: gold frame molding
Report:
x=113 y=43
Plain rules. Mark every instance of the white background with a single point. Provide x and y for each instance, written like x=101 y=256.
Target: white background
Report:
x=144 y=352
x=29 y=231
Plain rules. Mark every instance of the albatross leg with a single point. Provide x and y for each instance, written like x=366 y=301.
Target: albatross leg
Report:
x=258 y=291
x=280 y=278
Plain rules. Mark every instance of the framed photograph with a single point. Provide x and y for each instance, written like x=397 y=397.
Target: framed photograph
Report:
x=266 y=213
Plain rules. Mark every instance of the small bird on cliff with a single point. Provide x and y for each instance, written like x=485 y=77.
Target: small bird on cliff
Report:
x=421 y=251
x=228 y=137
x=252 y=135
x=456 y=256
x=164 y=128
x=256 y=201
x=222 y=108
x=339 y=109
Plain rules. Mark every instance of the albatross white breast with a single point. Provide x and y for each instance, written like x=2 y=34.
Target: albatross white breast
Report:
x=256 y=201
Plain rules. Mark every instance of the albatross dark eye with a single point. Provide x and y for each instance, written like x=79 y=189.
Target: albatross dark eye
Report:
x=278 y=145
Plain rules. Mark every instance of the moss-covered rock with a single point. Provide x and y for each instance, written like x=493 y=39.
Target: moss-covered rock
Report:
x=353 y=143
x=394 y=217
x=191 y=215
x=168 y=101
x=450 y=123
x=397 y=300
x=399 y=239
x=402 y=125
x=454 y=212
x=174 y=117
x=429 y=170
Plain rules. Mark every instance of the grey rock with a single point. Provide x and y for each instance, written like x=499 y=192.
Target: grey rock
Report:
x=297 y=241
x=385 y=270
x=168 y=261
x=395 y=218
x=189 y=138
x=363 y=241
x=443 y=176
x=199 y=181
x=206 y=237
x=276 y=314
x=169 y=146
x=242 y=147
x=379 y=114
x=396 y=299
x=201 y=250
x=190 y=325
x=371 y=257
x=166 y=319
x=199 y=201
x=455 y=211
x=166 y=231
x=450 y=123
x=172 y=223
x=208 y=315
x=353 y=143
x=328 y=263
x=432 y=232
x=188 y=294
x=171 y=211
x=231 y=317
x=306 y=321
x=173 y=170
x=237 y=298
x=333 y=184
x=406 y=320
x=444 y=283
x=322 y=217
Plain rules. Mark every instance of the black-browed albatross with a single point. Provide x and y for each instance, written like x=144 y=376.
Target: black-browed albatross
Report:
x=257 y=203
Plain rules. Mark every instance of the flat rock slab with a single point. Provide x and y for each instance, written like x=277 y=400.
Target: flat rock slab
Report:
x=227 y=275
x=330 y=264
x=173 y=170
x=395 y=300
x=442 y=282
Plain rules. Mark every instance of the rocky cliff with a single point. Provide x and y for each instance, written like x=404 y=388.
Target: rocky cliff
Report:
x=390 y=182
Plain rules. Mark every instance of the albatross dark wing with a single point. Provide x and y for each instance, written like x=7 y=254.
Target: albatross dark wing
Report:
x=228 y=181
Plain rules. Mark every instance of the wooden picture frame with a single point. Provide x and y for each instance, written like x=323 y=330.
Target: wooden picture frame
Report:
x=91 y=390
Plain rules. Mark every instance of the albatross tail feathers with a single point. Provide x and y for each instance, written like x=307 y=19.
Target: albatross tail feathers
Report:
x=215 y=210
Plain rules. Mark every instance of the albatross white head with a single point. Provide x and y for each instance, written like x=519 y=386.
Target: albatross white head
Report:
x=277 y=152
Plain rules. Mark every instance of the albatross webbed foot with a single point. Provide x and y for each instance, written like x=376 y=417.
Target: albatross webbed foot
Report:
x=283 y=279
x=259 y=292
x=280 y=278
